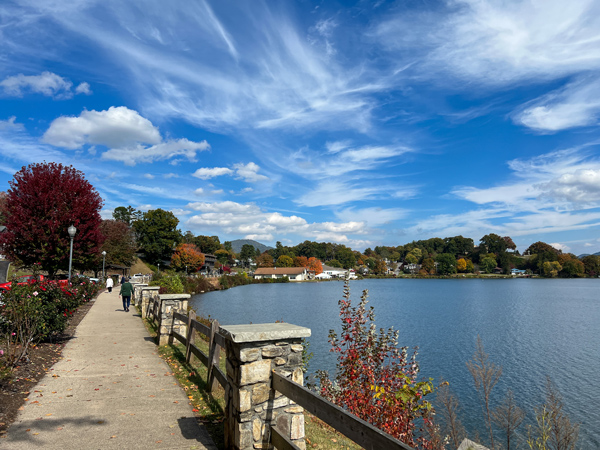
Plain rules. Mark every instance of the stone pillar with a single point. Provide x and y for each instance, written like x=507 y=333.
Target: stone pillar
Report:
x=170 y=303
x=136 y=298
x=251 y=405
x=148 y=294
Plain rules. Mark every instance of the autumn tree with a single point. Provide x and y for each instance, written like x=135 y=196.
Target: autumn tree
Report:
x=264 y=260
x=223 y=256
x=44 y=199
x=157 y=234
x=428 y=265
x=300 y=261
x=2 y=206
x=591 y=265
x=187 y=257
x=119 y=243
x=284 y=261
x=461 y=265
x=314 y=265
x=380 y=267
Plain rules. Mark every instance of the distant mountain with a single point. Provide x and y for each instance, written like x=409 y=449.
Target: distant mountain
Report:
x=587 y=254
x=237 y=245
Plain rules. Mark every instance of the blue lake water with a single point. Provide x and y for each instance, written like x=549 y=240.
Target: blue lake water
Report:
x=532 y=328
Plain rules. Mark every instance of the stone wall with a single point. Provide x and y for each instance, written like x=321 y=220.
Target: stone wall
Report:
x=169 y=303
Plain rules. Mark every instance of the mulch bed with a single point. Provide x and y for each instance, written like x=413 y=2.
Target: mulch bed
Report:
x=15 y=389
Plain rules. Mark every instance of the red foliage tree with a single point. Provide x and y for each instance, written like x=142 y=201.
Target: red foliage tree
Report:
x=187 y=257
x=43 y=201
x=300 y=261
x=375 y=379
x=315 y=265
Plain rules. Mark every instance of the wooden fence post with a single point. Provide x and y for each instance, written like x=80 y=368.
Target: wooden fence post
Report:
x=191 y=336
x=214 y=353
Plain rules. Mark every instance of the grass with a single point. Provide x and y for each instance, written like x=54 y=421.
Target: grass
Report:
x=209 y=407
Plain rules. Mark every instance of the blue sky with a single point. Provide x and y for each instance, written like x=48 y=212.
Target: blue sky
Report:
x=363 y=123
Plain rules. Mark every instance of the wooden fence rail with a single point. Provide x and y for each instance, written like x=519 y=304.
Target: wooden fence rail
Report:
x=215 y=342
x=361 y=432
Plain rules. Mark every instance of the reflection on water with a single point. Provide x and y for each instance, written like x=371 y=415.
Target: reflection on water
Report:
x=533 y=328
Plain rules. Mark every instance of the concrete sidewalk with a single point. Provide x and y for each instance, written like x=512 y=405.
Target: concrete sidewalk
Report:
x=111 y=390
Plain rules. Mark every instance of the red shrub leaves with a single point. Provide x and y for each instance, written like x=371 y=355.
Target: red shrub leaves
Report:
x=376 y=380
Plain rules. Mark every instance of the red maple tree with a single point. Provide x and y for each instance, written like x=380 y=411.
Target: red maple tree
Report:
x=44 y=199
x=187 y=257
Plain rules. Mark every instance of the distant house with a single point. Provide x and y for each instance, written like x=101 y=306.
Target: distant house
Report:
x=293 y=273
x=517 y=272
x=334 y=272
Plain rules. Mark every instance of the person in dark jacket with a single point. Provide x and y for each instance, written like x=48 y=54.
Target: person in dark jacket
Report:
x=125 y=293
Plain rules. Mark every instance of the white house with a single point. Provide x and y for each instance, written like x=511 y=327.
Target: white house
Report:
x=293 y=273
x=334 y=272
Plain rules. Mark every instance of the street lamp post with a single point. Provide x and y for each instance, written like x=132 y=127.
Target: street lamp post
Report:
x=103 y=261
x=72 y=230
x=158 y=267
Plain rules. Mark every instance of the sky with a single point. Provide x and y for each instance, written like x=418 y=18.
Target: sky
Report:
x=363 y=123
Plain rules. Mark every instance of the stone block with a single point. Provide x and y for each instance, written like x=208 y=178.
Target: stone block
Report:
x=242 y=399
x=249 y=354
x=294 y=409
x=298 y=376
x=297 y=427
x=280 y=361
x=271 y=351
x=297 y=347
x=283 y=424
x=255 y=372
x=280 y=402
x=243 y=435
x=258 y=429
x=260 y=393
x=295 y=359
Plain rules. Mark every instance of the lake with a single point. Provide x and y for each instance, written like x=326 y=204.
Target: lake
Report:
x=533 y=328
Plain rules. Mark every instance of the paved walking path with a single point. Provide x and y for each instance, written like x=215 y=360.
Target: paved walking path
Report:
x=111 y=390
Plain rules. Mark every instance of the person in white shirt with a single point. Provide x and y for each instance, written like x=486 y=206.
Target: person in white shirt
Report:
x=109 y=284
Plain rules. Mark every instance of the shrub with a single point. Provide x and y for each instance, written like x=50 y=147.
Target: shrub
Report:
x=375 y=380
x=169 y=283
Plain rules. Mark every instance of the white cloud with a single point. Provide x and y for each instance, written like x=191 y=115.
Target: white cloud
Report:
x=132 y=138
x=575 y=105
x=47 y=83
x=165 y=150
x=498 y=42
x=149 y=176
x=249 y=172
x=170 y=175
x=372 y=216
x=205 y=173
x=562 y=247
x=83 y=88
x=581 y=186
x=250 y=220
x=11 y=125
x=336 y=193
x=117 y=127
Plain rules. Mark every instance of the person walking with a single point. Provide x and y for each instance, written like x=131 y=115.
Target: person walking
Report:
x=109 y=284
x=125 y=293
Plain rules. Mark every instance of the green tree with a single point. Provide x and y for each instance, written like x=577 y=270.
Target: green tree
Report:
x=284 y=261
x=264 y=260
x=446 y=263
x=157 y=234
x=247 y=253
x=346 y=257
x=573 y=268
x=208 y=244
x=487 y=264
x=127 y=214
x=493 y=243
